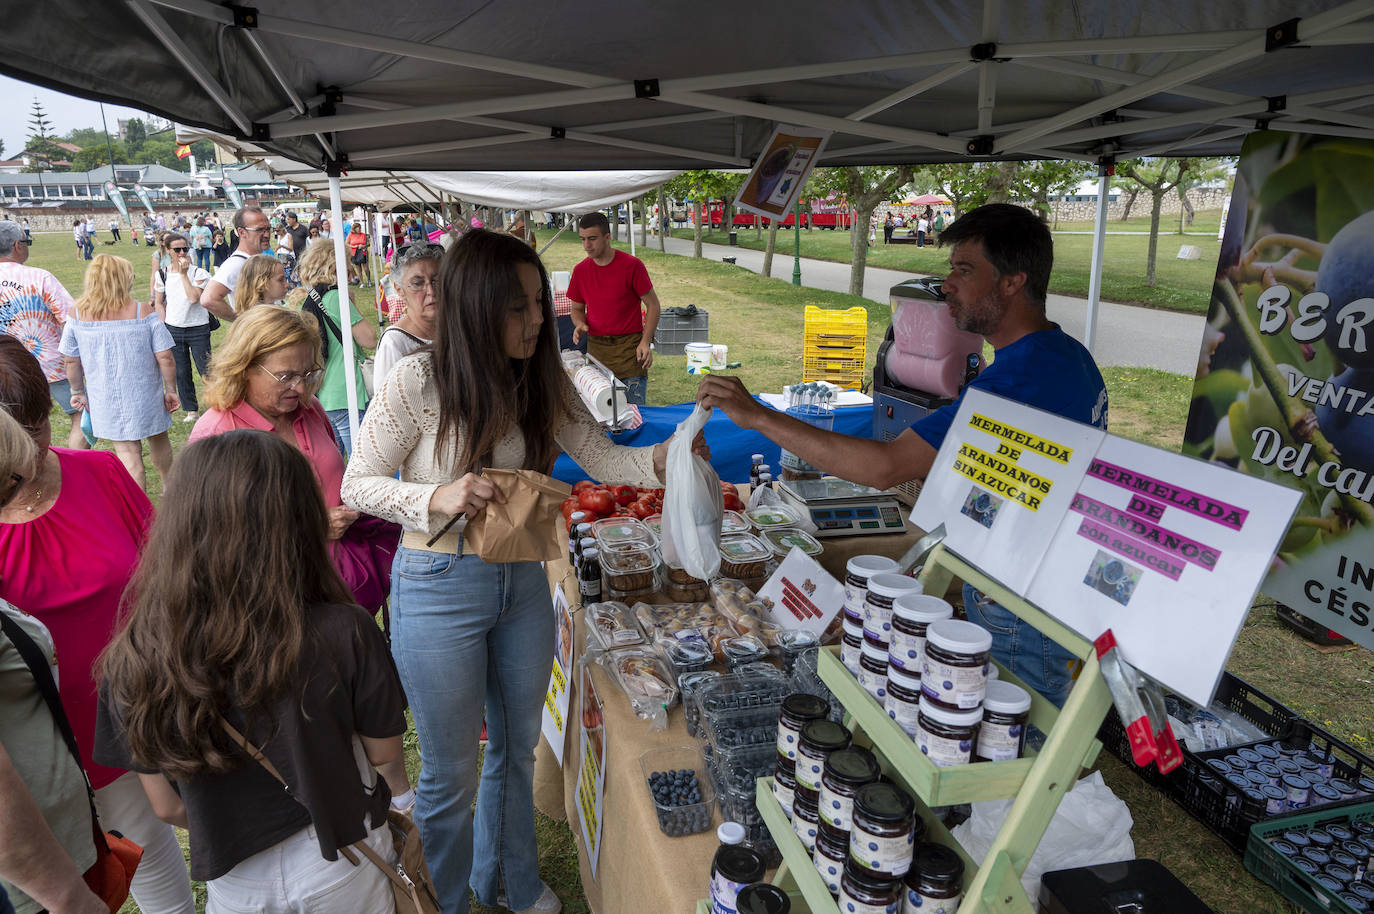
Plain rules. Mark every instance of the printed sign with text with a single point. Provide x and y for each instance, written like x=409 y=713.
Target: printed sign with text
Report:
x=773 y=186
x=591 y=779
x=554 y=724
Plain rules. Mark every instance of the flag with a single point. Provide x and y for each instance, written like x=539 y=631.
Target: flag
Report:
x=112 y=191
x=231 y=191
x=142 y=193
x=183 y=151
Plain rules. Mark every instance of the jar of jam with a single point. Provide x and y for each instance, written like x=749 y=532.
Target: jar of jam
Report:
x=947 y=737
x=762 y=898
x=954 y=672
x=857 y=572
x=883 y=830
x=798 y=710
x=846 y=770
x=793 y=644
x=851 y=644
x=1270 y=771
x=829 y=857
x=934 y=884
x=882 y=590
x=734 y=867
x=873 y=669
x=807 y=795
x=903 y=699
x=1299 y=790
x=819 y=738
x=1266 y=752
x=805 y=822
x=911 y=614
x=784 y=790
x=1006 y=709
x=864 y=892
x=1275 y=800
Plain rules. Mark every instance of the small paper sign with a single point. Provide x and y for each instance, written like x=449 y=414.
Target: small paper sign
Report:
x=591 y=781
x=782 y=168
x=801 y=594
x=554 y=725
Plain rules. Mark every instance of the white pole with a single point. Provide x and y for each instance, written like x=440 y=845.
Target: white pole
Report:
x=374 y=262
x=345 y=323
x=1095 y=273
x=630 y=223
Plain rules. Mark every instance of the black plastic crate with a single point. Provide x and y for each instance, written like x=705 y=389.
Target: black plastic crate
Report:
x=1211 y=800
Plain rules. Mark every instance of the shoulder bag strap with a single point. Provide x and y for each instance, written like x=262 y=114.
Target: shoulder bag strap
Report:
x=360 y=846
x=47 y=687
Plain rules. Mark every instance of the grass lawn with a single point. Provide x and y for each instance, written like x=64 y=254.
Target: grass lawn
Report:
x=1181 y=285
x=761 y=320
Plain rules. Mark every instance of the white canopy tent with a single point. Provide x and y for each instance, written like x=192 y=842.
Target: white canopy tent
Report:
x=462 y=85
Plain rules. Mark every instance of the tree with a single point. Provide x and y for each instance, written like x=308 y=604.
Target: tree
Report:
x=864 y=187
x=1128 y=187
x=93 y=157
x=663 y=221
x=42 y=148
x=698 y=185
x=1158 y=177
x=964 y=183
x=1038 y=180
x=1001 y=181
x=135 y=133
x=772 y=246
x=1204 y=171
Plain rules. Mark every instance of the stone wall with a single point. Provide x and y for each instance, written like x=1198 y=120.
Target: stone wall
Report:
x=102 y=212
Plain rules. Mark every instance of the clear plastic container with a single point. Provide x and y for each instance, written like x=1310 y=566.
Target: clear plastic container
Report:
x=684 y=621
x=683 y=657
x=612 y=625
x=629 y=566
x=743 y=556
x=781 y=541
x=674 y=574
x=729 y=732
x=772 y=517
x=688 y=685
x=682 y=813
x=645 y=679
x=734 y=522
x=622 y=531
x=736 y=601
x=757 y=687
x=743 y=650
x=655 y=524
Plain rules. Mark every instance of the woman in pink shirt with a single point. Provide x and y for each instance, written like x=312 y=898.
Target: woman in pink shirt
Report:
x=264 y=377
x=69 y=541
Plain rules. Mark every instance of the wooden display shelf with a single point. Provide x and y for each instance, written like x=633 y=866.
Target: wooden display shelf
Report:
x=937 y=786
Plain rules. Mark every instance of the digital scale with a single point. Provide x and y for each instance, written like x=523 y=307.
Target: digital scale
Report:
x=842 y=508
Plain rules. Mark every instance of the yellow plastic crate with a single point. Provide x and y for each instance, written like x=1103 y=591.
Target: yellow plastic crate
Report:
x=824 y=320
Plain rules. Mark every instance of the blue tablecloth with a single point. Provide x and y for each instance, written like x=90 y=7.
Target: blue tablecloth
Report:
x=731 y=446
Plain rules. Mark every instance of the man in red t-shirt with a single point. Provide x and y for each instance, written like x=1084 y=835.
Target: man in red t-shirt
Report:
x=607 y=290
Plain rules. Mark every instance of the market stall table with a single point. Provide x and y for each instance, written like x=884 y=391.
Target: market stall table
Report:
x=639 y=867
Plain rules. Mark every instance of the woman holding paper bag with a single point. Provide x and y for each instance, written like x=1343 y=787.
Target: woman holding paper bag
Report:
x=489 y=392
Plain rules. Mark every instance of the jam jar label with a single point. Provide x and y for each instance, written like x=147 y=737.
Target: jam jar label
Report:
x=850 y=654
x=850 y=906
x=942 y=751
x=724 y=894
x=809 y=769
x=854 y=597
x=787 y=741
x=904 y=713
x=878 y=620
x=835 y=810
x=882 y=855
x=905 y=651
x=914 y=902
x=830 y=870
x=959 y=686
x=875 y=683
x=806 y=831
x=784 y=797
x=999 y=742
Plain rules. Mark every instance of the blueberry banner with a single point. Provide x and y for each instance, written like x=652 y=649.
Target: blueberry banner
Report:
x=1285 y=380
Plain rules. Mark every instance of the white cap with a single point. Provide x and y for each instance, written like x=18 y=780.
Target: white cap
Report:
x=730 y=833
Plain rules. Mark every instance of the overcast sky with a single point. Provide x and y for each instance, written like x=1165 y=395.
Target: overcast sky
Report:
x=65 y=112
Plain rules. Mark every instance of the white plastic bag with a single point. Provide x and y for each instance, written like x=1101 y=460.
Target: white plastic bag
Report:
x=692 y=504
x=766 y=496
x=1091 y=826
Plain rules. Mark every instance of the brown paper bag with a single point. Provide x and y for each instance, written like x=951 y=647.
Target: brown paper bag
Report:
x=524 y=528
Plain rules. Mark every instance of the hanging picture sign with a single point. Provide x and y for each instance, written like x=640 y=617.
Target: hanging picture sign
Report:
x=772 y=188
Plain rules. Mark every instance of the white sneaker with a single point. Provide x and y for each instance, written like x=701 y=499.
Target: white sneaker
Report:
x=547 y=903
x=190 y=417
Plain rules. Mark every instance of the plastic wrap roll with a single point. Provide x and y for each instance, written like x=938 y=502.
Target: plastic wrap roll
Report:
x=598 y=393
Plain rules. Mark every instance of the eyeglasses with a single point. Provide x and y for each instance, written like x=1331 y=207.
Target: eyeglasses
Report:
x=420 y=284
x=18 y=482
x=292 y=378
x=260 y=228
x=179 y=250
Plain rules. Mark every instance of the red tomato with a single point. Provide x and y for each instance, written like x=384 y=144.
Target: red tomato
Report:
x=642 y=508
x=624 y=494
x=597 y=500
x=568 y=507
x=584 y=484
x=733 y=502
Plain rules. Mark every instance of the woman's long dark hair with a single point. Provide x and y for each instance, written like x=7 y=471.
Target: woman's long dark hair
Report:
x=215 y=617
x=483 y=391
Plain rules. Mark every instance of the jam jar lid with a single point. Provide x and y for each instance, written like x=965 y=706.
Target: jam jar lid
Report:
x=762 y=898
x=825 y=735
x=739 y=863
x=884 y=802
x=865 y=566
x=970 y=718
x=889 y=584
x=855 y=765
x=959 y=636
x=921 y=607
x=1006 y=698
x=805 y=706
x=1297 y=782
x=1327 y=793
x=935 y=861
x=1296 y=838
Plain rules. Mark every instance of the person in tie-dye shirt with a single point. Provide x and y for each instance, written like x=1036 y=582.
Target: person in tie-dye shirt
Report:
x=33 y=308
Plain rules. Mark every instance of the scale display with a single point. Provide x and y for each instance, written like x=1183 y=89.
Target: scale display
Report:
x=841 y=508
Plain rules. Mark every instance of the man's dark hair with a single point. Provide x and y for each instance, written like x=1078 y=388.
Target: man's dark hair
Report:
x=240 y=216
x=1014 y=241
x=595 y=220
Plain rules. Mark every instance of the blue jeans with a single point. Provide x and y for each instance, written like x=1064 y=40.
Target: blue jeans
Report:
x=205 y=259
x=339 y=419
x=1040 y=663
x=469 y=635
x=191 y=343
x=636 y=389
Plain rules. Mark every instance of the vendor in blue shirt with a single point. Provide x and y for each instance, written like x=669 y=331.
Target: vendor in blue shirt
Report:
x=1000 y=261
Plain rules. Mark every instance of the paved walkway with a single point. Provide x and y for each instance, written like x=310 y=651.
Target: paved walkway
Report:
x=1126 y=334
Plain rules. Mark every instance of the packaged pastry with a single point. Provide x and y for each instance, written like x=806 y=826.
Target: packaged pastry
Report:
x=612 y=626
x=629 y=567
x=646 y=683
x=743 y=556
x=685 y=620
x=737 y=602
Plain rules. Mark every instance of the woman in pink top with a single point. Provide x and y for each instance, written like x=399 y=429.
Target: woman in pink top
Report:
x=263 y=377
x=69 y=542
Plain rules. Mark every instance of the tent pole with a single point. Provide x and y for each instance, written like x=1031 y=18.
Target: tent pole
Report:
x=1095 y=273
x=345 y=324
x=374 y=265
x=630 y=223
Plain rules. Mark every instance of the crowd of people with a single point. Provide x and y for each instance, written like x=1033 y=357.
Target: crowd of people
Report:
x=249 y=596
